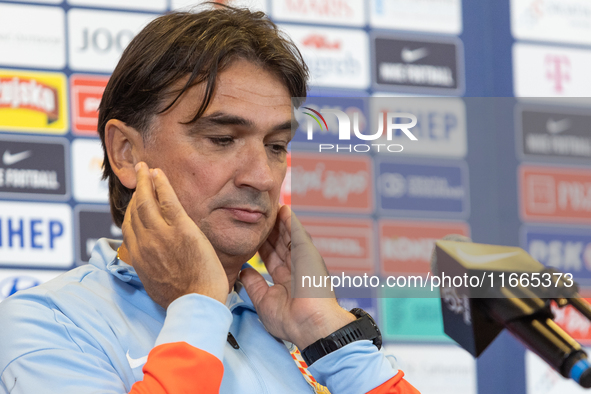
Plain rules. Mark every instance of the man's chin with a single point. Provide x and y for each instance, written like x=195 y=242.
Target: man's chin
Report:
x=234 y=241
x=237 y=247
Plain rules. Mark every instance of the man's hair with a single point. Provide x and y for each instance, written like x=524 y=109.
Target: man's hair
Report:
x=194 y=45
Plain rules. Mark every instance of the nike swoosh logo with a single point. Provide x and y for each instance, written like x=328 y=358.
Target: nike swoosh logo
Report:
x=9 y=159
x=136 y=362
x=411 y=56
x=557 y=126
x=483 y=259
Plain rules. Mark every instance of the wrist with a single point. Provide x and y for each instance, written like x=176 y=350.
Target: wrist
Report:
x=215 y=293
x=364 y=327
x=321 y=326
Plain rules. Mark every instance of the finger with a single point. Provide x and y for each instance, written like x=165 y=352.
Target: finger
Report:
x=135 y=222
x=275 y=250
x=129 y=237
x=306 y=259
x=170 y=206
x=141 y=234
x=146 y=205
x=274 y=235
x=284 y=214
x=279 y=248
x=293 y=227
x=270 y=257
x=293 y=231
x=285 y=245
x=126 y=228
x=280 y=236
x=284 y=226
x=256 y=286
x=266 y=250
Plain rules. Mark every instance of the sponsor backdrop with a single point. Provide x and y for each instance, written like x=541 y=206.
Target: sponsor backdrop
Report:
x=514 y=171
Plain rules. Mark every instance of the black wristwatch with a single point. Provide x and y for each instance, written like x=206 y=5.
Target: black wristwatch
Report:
x=363 y=328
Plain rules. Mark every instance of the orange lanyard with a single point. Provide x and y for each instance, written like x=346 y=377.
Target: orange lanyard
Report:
x=303 y=367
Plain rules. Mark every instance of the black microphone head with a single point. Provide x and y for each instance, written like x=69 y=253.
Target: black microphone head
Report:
x=585 y=380
x=448 y=237
x=581 y=372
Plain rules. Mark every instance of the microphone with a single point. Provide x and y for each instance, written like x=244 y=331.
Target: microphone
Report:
x=476 y=310
x=448 y=237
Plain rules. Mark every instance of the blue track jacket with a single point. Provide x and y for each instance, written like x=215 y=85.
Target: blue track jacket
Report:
x=91 y=330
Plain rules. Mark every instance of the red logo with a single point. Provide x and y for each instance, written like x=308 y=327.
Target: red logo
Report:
x=320 y=42
x=86 y=92
x=406 y=246
x=555 y=194
x=346 y=245
x=573 y=322
x=321 y=182
x=558 y=71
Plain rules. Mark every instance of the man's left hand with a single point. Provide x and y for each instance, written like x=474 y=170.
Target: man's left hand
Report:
x=286 y=309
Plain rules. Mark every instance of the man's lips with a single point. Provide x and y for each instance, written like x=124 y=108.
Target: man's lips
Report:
x=247 y=215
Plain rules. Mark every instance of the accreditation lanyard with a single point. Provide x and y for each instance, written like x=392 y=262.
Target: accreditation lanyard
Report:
x=303 y=367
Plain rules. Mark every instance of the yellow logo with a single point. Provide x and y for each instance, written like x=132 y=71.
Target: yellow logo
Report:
x=33 y=102
x=258 y=264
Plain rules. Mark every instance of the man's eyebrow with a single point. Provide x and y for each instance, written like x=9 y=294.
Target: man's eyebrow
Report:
x=283 y=126
x=223 y=119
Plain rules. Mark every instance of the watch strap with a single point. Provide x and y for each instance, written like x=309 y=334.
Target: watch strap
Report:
x=362 y=328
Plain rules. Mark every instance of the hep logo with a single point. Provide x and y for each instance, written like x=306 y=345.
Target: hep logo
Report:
x=392 y=124
x=558 y=71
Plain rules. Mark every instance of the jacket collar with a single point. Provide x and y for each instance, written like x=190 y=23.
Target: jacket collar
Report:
x=104 y=257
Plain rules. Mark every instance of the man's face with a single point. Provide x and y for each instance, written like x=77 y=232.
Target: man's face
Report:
x=228 y=167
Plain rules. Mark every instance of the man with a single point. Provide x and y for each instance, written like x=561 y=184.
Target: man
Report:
x=195 y=123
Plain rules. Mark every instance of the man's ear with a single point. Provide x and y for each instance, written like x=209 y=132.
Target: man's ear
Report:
x=125 y=148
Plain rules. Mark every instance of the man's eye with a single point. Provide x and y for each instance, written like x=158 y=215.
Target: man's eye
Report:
x=221 y=141
x=278 y=149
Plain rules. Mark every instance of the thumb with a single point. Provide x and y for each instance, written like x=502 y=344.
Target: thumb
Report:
x=255 y=285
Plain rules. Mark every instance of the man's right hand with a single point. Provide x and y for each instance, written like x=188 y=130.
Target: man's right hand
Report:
x=170 y=254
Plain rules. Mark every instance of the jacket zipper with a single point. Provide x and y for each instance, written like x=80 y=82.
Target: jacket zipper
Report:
x=234 y=343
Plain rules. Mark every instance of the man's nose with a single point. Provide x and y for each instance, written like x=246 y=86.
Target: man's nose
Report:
x=255 y=168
